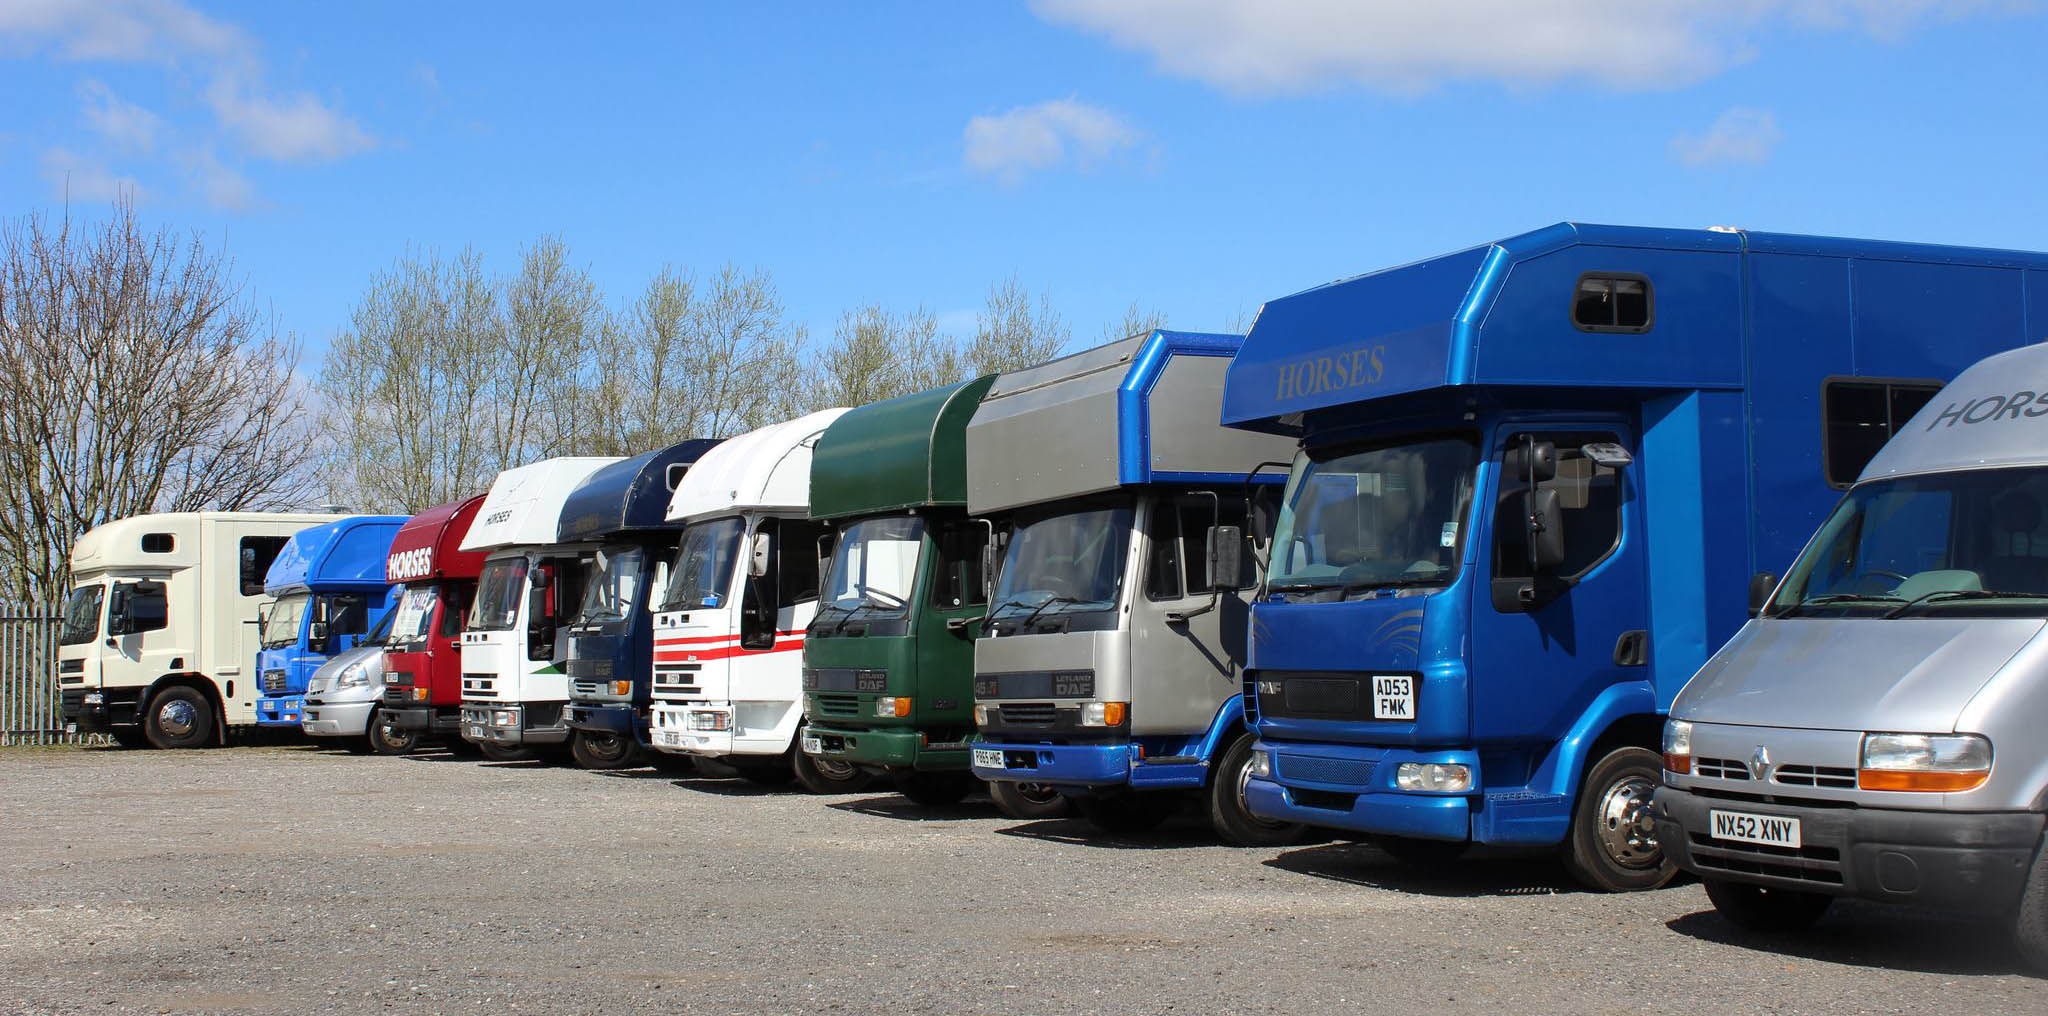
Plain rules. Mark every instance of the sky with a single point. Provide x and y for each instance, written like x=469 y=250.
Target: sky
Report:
x=1194 y=157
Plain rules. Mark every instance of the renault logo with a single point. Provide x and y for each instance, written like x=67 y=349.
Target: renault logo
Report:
x=1759 y=763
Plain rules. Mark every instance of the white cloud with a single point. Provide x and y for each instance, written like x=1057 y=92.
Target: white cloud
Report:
x=295 y=128
x=1738 y=136
x=1282 y=46
x=119 y=30
x=1031 y=138
x=74 y=177
x=221 y=185
x=128 y=126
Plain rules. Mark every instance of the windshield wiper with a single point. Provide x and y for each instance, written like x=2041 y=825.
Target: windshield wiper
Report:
x=1049 y=601
x=1822 y=601
x=1961 y=594
x=1355 y=587
x=1301 y=587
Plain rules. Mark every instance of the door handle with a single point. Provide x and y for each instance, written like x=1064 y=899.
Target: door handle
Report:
x=1632 y=649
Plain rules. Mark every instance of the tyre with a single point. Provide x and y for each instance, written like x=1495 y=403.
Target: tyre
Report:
x=935 y=790
x=1228 y=814
x=824 y=775
x=1029 y=801
x=500 y=753
x=1758 y=908
x=1422 y=853
x=179 y=717
x=1611 y=846
x=129 y=737
x=386 y=739
x=2030 y=922
x=603 y=751
x=1125 y=811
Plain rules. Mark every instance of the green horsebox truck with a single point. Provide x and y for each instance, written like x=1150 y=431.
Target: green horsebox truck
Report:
x=889 y=660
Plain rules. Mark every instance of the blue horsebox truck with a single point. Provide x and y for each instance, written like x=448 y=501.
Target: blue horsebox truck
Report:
x=329 y=591
x=1536 y=480
x=622 y=508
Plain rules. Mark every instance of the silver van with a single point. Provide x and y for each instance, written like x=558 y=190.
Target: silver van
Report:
x=1876 y=730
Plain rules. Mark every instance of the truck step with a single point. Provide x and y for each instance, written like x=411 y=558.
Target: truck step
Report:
x=1171 y=760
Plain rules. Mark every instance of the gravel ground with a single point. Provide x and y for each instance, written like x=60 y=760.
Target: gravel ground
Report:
x=297 y=879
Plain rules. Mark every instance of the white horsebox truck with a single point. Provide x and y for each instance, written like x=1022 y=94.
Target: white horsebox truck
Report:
x=729 y=631
x=514 y=689
x=158 y=643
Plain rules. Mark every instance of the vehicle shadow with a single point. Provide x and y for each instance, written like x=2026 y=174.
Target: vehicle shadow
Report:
x=1475 y=875
x=895 y=806
x=1879 y=936
x=735 y=788
x=1174 y=834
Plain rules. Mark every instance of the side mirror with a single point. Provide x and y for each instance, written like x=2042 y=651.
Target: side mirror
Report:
x=316 y=632
x=757 y=559
x=542 y=578
x=1225 y=561
x=990 y=561
x=1519 y=461
x=1545 y=519
x=537 y=603
x=118 y=621
x=1761 y=586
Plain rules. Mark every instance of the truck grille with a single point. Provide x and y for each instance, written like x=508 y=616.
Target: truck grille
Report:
x=1028 y=712
x=1836 y=777
x=394 y=696
x=273 y=680
x=676 y=680
x=479 y=686
x=586 y=688
x=839 y=705
x=1342 y=772
x=1720 y=768
x=1818 y=865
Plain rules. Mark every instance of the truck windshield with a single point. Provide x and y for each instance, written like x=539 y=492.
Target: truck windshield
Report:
x=874 y=565
x=703 y=565
x=1969 y=544
x=281 y=624
x=82 y=614
x=413 y=618
x=380 y=633
x=1068 y=561
x=497 y=594
x=615 y=583
x=1374 y=518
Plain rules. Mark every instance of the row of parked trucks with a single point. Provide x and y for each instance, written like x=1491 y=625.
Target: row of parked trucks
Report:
x=1426 y=558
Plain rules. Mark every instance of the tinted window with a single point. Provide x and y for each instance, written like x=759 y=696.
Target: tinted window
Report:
x=158 y=543
x=1860 y=416
x=956 y=581
x=256 y=555
x=1589 y=496
x=147 y=610
x=1612 y=303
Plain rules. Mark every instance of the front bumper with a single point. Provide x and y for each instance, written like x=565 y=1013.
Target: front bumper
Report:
x=1967 y=861
x=98 y=711
x=887 y=747
x=280 y=710
x=337 y=719
x=424 y=718
x=1351 y=787
x=1067 y=765
x=608 y=718
x=512 y=724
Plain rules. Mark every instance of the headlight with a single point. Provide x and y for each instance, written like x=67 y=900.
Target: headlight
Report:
x=891 y=707
x=1928 y=763
x=1103 y=714
x=421 y=693
x=709 y=721
x=1262 y=765
x=504 y=718
x=355 y=675
x=1678 y=746
x=1433 y=777
x=981 y=713
x=622 y=689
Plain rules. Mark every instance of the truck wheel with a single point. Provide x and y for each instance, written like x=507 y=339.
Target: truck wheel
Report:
x=1229 y=815
x=1126 y=811
x=129 y=737
x=1029 y=801
x=500 y=753
x=1612 y=847
x=601 y=752
x=1762 y=909
x=386 y=739
x=180 y=717
x=935 y=790
x=824 y=775
x=2030 y=923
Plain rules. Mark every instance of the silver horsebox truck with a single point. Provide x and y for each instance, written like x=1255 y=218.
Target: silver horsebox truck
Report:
x=1875 y=731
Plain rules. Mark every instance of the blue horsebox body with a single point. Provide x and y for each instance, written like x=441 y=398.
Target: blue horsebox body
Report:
x=337 y=571
x=623 y=508
x=1745 y=376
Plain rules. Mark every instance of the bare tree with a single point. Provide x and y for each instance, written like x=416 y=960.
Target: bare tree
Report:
x=877 y=355
x=553 y=317
x=1135 y=322
x=745 y=368
x=1012 y=331
x=134 y=377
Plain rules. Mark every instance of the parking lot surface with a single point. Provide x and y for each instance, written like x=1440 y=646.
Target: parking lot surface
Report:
x=298 y=879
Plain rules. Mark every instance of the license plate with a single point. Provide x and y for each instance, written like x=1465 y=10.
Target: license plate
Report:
x=476 y=732
x=1393 y=697
x=668 y=738
x=813 y=746
x=1769 y=830
x=989 y=758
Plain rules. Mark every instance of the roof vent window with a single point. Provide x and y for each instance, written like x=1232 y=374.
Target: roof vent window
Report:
x=1612 y=302
x=158 y=543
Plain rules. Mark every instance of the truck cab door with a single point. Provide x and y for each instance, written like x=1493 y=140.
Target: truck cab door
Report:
x=139 y=642
x=1185 y=657
x=1546 y=640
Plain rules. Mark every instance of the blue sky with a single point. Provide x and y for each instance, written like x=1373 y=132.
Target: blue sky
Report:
x=1194 y=157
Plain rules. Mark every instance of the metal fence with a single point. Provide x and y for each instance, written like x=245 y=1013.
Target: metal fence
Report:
x=30 y=706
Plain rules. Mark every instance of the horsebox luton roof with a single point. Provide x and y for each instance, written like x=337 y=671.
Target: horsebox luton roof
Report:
x=524 y=506
x=1995 y=413
x=901 y=453
x=429 y=545
x=119 y=544
x=767 y=470
x=1136 y=411
x=346 y=553
x=630 y=494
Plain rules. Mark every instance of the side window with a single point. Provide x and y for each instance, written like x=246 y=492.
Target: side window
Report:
x=455 y=607
x=1613 y=302
x=1589 y=495
x=149 y=609
x=349 y=615
x=796 y=561
x=1858 y=417
x=1179 y=556
x=257 y=553
x=1164 y=553
x=956 y=576
x=158 y=543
